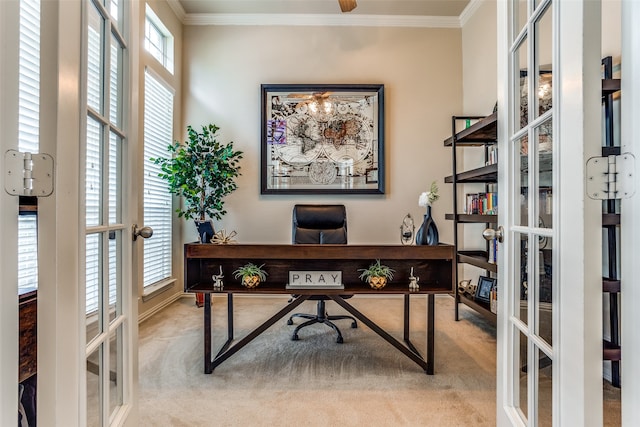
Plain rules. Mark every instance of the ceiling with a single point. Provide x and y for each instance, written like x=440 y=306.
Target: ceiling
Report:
x=438 y=8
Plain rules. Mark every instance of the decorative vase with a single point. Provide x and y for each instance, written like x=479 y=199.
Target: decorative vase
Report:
x=250 y=281
x=427 y=234
x=377 y=282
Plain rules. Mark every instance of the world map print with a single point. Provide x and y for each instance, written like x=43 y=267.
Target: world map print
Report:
x=325 y=139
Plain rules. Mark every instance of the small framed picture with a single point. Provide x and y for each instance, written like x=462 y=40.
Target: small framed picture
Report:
x=485 y=286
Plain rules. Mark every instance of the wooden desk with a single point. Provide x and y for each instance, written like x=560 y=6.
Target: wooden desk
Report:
x=28 y=344
x=432 y=264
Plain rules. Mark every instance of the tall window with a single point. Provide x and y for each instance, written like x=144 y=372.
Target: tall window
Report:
x=28 y=137
x=158 y=41
x=158 y=132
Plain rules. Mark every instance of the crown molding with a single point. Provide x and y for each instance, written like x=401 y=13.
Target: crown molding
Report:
x=264 y=19
x=469 y=11
x=177 y=9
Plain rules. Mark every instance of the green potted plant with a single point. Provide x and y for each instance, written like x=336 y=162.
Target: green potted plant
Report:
x=251 y=275
x=202 y=171
x=377 y=275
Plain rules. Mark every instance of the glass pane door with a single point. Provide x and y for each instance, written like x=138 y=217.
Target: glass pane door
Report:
x=531 y=146
x=106 y=234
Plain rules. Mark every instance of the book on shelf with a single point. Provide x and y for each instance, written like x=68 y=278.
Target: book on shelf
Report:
x=493 y=300
x=481 y=203
x=492 y=155
x=493 y=251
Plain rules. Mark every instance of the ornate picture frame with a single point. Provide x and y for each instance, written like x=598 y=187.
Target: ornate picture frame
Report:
x=322 y=139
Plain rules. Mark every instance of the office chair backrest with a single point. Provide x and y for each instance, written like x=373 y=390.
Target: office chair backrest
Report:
x=319 y=224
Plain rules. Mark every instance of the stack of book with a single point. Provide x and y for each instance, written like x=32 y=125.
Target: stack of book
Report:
x=481 y=203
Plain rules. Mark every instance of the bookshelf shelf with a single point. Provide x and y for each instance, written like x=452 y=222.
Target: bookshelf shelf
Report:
x=484 y=134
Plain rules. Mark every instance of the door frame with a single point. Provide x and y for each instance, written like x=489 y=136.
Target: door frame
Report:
x=630 y=212
x=59 y=233
x=9 y=30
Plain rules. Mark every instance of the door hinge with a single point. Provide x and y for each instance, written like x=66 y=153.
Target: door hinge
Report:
x=611 y=177
x=28 y=174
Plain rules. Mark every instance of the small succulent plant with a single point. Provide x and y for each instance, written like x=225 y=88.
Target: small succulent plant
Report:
x=251 y=269
x=376 y=270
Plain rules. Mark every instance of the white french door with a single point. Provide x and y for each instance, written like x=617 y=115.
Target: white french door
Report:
x=87 y=316
x=110 y=309
x=550 y=295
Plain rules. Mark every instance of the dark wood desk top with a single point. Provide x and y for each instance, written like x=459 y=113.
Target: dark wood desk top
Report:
x=432 y=264
x=199 y=250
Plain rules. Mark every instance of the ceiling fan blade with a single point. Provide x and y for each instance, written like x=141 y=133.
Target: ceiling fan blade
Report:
x=347 y=5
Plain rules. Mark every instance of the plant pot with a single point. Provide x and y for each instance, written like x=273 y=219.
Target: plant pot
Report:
x=377 y=282
x=205 y=230
x=250 y=281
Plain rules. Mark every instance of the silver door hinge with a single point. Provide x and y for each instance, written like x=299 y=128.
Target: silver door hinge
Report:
x=28 y=174
x=611 y=177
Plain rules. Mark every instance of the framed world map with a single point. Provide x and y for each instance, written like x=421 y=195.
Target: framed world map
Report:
x=322 y=139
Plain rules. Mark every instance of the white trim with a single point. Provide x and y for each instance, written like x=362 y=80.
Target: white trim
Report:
x=577 y=275
x=630 y=211
x=159 y=307
x=505 y=414
x=131 y=117
x=177 y=8
x=152 y=291
x=156 y=75
x=469 y=11
x=9 y=30
x=324 y=20
x=59 y=238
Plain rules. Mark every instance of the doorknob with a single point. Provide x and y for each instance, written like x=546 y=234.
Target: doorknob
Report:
x=490 y=234
x=144 y=232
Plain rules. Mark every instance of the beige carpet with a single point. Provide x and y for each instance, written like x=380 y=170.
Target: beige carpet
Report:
x=274 y=381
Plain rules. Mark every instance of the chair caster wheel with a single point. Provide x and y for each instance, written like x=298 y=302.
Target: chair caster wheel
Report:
x=339 y=340
x=294 y=337
x=289 y=322
x=354 y=325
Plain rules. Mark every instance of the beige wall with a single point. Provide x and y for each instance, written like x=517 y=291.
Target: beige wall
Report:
x=479 y=60
x=479 y=81
x=420 y=68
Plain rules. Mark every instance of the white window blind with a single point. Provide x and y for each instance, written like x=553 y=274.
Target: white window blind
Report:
x=28 y=134
x=93 y=159
x=158 y=132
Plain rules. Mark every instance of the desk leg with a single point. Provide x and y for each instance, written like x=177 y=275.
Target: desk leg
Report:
x=406 y=317
x=431 y=308
x=207 y=333
x=229 y=317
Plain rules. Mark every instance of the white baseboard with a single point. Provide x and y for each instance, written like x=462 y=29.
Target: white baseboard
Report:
x=147 y=314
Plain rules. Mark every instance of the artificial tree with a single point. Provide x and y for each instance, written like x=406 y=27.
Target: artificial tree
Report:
x=202 y=171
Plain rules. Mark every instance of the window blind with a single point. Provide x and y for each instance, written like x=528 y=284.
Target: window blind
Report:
x=158 y=131
x=28 y=134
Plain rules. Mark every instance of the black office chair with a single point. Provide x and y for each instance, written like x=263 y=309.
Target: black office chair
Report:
x=320 y=224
